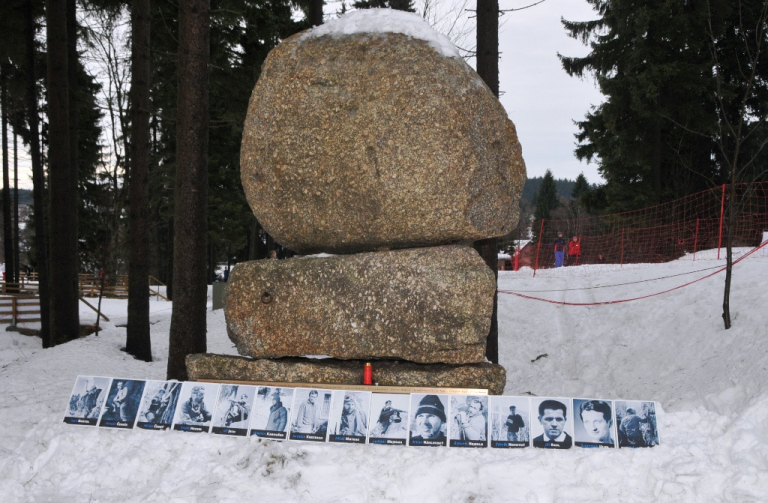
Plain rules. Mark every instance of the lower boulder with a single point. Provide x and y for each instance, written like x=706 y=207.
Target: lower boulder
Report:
x=330 y=371
x=426 y=305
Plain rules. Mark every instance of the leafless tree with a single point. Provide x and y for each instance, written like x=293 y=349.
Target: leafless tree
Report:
x=739 y=120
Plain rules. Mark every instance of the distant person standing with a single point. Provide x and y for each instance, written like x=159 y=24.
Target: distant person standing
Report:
x=560 y=246
x=574 y=251
x=273 y=254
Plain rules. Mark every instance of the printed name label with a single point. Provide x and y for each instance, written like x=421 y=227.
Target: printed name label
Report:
x=190 y=428
x=269 y=434
x=306 y=436
x=347 y=439
x=508 y=444
x=387 y=441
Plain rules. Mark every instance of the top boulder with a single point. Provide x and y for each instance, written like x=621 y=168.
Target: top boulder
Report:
x=371 y=132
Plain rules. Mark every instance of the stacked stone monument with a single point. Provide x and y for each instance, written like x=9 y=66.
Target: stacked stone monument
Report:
x=371 y=148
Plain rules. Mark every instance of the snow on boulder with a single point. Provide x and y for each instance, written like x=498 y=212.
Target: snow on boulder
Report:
x=369 y=132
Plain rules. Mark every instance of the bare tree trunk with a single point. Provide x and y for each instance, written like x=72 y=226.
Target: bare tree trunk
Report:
x=16 y=245
x=729 y=251
x=316 y=12
x=188 y=320
x=41 y=234
x=72 y=68
x=7 y=231
x=65 y=322
x=488 y=69
x=138 y=342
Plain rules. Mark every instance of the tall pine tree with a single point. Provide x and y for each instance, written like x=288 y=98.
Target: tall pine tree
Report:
x=65 y=323
x=652 y=62
x=188 y=319
x=547 y=201
x=488 y=69
x=138 y=342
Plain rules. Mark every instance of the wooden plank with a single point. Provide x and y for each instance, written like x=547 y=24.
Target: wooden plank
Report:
x=96 y=310
x=401 y=390
x=159 y=294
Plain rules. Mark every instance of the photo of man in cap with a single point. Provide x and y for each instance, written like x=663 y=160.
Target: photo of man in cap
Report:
x=354 y=421
x=196 y=401
x=428 y=421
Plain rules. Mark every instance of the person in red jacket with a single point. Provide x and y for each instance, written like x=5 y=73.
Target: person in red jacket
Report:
x=574 y=251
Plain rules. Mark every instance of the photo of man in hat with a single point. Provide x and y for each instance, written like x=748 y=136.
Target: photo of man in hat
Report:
x=348 y=420
x=428 y=423
x=354 y=421
x=196 y=401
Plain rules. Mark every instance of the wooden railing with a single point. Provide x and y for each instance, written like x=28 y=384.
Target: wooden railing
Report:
x=158 y=284
x=24 y=287
x=89 y=286
x=17 y=309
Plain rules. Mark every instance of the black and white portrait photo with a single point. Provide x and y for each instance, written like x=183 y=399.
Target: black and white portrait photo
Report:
x=271 y=410
x=158 y=405
x=510 y=422
x=122 y=403
x=593 y=423
x=469 y=421
x=86 y=401
x=428 y=424
x=636 y=423
x=233 y=410
x=196 y=403
x=311 y=410
x=388 y=423
x=553 y=426
x=348 y=420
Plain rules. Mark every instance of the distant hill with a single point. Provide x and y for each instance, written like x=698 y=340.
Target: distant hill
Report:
x=25 y=196
x=564 y=187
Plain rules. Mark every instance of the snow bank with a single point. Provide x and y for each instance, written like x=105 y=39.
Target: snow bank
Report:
x=380 y=21
x=712 y=386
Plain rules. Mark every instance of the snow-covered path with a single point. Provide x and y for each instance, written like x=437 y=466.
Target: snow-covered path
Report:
x=712 y=386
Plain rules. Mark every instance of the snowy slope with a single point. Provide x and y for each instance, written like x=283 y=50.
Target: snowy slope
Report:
x=712 y=386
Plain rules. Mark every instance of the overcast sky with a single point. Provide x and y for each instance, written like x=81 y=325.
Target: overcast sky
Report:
x=540 y=98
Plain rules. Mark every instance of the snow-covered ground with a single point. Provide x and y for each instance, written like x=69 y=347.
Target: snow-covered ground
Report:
x=712 y=385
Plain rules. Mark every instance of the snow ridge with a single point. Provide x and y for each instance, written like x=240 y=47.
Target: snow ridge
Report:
x=381 y=21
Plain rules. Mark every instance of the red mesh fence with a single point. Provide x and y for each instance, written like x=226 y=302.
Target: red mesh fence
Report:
x=660 y=233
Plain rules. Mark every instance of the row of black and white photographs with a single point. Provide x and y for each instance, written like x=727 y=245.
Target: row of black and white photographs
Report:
x=226 y=409
x=345 y=416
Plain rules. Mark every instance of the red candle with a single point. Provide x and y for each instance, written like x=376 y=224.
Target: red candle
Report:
x=368 y=374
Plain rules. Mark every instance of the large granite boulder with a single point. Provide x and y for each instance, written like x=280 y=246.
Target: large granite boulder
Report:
x=359 y=138
x=424 y=305
x=328 y=371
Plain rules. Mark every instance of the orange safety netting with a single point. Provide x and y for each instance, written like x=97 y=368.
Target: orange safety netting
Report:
x=659 y=233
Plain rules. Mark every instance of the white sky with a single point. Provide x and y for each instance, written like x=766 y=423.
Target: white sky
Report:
x=540 y=98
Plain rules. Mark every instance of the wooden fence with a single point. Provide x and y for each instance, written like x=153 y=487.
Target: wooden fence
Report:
x=17 y=309
x=89 y=286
